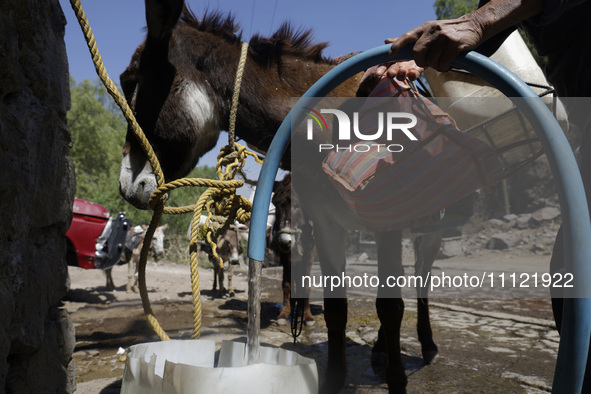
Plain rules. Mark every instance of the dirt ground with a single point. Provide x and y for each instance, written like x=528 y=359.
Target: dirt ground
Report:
x=485 y=345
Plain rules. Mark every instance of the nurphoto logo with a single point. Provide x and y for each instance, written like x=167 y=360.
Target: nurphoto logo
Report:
x=372 y=127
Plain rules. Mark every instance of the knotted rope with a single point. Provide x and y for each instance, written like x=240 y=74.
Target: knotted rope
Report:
x=220 y=201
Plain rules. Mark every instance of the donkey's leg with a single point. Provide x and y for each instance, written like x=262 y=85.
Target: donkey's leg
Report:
x=330 y=246
x=230 y=287
x=216 y=269
x=390 y=307
x=308 y=318
x=335 y=315
x=426 y=248
x=109 y=274
x=285 y=259
x=307 y=239
x=135 y=261
x=222 y=290
x=130 y=274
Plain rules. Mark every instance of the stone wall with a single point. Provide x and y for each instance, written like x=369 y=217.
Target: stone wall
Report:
x=36 y=195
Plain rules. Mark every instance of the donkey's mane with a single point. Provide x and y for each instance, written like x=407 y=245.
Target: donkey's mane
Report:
x=285 y=41
x=213 y=22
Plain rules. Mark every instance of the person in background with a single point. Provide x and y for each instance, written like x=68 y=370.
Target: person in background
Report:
x=557 y=28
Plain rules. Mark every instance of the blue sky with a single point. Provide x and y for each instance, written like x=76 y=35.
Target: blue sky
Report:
x=346 y=24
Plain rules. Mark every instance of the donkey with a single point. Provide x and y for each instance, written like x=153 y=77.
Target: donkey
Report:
x=179 y=84
x=229 y=248
x=131 y=254
x=292 y=234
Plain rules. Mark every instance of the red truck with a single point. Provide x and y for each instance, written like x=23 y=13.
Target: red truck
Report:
x=95 y=239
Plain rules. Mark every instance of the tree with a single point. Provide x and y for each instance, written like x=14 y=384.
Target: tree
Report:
x=450 y=9
x=97 y=137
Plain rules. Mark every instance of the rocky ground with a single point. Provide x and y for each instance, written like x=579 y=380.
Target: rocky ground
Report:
x=486 y=344
x=524 y=233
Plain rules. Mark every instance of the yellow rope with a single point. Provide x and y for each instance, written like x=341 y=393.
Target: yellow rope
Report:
x=112 y=89
x=220 y=201
x=236 y=94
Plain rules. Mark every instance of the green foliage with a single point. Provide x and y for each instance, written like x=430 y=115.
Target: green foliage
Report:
x=451 y=9
x=98 y=133
x=177 y=251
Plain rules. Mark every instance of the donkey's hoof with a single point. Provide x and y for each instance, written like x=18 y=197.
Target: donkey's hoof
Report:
x=429 y=355
x=332 y=386
x=378 y=363
x=281 y=321
x=310 y=323
x=397 y=388
x=397 y=379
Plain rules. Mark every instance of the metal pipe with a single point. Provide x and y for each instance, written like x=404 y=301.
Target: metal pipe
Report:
x=253 y=328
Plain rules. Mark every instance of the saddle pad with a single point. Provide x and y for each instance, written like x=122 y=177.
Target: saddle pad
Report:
x=391 y=191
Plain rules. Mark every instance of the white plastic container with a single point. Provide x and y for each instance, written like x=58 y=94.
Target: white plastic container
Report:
x=470 y=95
x=481 y=110
x=187 y=367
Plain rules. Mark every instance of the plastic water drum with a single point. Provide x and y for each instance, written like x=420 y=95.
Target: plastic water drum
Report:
x=483 y=111
x=189 y=367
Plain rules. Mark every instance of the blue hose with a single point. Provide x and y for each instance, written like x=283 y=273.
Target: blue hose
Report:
x=576 y=326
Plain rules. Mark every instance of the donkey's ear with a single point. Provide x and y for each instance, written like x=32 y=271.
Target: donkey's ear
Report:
x=161 y=16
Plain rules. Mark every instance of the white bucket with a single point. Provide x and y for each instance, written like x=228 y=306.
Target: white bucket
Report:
x=188 y=366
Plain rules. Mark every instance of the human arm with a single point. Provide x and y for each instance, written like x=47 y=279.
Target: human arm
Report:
x=437 y=43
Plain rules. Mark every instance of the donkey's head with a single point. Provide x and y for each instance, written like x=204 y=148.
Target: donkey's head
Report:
x=180 y=83
x=172 y=100
x=283 y=234
x=157 y=245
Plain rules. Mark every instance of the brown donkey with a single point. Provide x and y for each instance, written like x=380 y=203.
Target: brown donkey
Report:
x=180 y=83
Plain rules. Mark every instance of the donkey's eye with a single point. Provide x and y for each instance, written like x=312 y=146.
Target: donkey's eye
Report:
x=128 y=85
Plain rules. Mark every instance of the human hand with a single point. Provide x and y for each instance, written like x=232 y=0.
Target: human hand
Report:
x=400 y=70
x=437 y=43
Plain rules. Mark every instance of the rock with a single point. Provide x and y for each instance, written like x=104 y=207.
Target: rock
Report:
x=354 y=337
x=544 y=215
x=510 y=220
x=523 y=221
x=544 y=243
x=37 y=187
x=501 y=241
x=510 y=217
x=451 y=248
x=369 y=337
x=495 y=223
x=362 y=257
